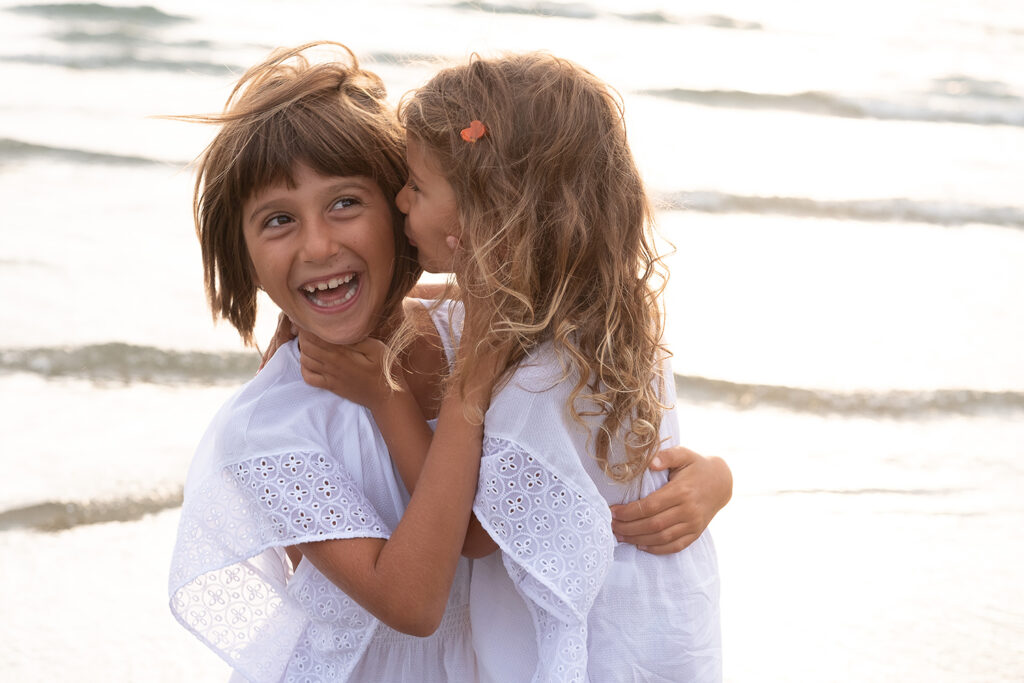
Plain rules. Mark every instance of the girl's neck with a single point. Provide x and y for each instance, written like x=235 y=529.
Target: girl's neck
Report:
x=423 y=362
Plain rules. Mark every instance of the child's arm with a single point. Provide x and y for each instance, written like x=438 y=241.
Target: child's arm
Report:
x=672 y=517
x=322 y=367
x=355 y=373
x=404 y=581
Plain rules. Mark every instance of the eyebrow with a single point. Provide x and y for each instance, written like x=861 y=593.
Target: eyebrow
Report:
x=355 y=183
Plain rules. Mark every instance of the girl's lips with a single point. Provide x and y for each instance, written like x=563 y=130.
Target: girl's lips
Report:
x=330 y=282
x=333 y=294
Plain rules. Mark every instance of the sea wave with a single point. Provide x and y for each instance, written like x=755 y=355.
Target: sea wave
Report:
x=77 y=36
x=578 y=10
x=122 y=60
x=963 y=107
x=893 y=209
x=19 y=150
x=60 y=515
x=127 y=363
x=402 y=58
x=93 y=11
x=568 y=10
x=712 y=20
x=885 y=404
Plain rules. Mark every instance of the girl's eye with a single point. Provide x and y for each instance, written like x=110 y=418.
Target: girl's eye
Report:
x=344 y=203
x=412 y=185
x=278 y=220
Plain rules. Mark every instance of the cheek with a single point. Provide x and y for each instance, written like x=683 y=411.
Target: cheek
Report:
x=251 y=260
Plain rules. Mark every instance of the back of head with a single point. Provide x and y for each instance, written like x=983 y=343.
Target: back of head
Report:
x=555 y=225
x=330 y=115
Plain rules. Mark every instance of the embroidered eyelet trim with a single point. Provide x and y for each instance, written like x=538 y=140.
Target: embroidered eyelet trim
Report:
x=557 y=547
x=303 y=494
x=220 y=592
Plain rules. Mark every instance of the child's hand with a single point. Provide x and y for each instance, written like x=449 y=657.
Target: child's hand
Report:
x=284 y=333
x=674 y=516
x=354 y=371
x=479 y=387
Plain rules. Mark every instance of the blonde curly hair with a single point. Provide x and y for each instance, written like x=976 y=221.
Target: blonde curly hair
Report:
x=556 y=231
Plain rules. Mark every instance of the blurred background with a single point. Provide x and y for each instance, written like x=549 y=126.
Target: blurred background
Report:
x=842 y=184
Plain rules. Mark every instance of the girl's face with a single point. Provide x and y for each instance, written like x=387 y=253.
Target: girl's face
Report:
x=428 y=202
x=324 y=251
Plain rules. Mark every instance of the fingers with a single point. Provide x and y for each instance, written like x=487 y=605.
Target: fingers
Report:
x=672 y=458
x=313 y=378
x=657 y=502
x=671 y=547
x=663 y=537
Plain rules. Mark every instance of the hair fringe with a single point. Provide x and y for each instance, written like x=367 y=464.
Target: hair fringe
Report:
x=297 y=106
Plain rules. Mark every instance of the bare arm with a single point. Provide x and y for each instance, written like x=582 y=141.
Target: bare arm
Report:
x=355 y=372
x=405 y=580
x=675 y=515
x=429 y=290
x=359 y=378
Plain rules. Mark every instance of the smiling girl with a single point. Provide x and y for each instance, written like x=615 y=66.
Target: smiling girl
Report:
x=300 y=553
x=523 y=185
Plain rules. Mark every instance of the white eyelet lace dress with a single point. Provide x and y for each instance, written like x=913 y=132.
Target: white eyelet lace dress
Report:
x=562 y=600
x=285 y=463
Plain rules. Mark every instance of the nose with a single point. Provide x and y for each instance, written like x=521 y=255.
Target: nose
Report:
x=319 y=241
x=402 y=199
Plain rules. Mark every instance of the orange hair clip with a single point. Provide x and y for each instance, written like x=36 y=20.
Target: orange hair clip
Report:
x=474 y=132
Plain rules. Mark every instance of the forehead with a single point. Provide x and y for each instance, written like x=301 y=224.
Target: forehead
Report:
x=422 y=161
x=301 y=176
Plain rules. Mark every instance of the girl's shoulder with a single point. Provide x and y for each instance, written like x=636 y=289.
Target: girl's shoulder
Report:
x=439 y=318
x=277 y=412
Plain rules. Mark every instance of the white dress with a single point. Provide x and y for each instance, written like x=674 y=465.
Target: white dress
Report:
x=562 y=600
x=286 y=463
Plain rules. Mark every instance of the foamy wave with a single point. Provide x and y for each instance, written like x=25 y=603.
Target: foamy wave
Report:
x=712 y=20
x=128 y=39
x=892 y=404
x=569 y=10
x=92 y=11
x=92 y=62
x=60 y=515
x=874 y=210
x=18 y=150
x=117 y=362
x=1008 y=111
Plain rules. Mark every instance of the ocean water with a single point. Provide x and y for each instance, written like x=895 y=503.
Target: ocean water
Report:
x=842 y=189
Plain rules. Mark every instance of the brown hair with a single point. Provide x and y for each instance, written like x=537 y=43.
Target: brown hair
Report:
x=332 y=116
x=556 y=234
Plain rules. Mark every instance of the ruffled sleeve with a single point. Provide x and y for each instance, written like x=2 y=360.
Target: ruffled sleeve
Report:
x=229 y=574
x=554 y=530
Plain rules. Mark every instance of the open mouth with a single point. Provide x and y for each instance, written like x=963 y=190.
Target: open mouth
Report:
x=332 y=292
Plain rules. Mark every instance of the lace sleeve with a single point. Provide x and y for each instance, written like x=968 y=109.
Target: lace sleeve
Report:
x=229 y=585
x=556 y=544
x=304 y=497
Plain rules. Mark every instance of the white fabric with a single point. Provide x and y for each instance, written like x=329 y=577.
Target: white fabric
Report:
x=285 y=463
x=562 y=600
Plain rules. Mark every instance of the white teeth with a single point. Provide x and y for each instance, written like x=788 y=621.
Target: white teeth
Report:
x=329 y=284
